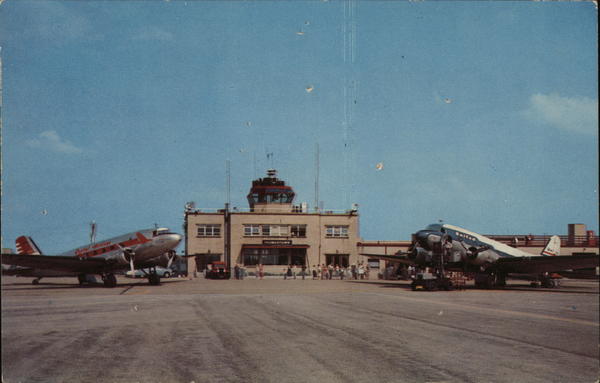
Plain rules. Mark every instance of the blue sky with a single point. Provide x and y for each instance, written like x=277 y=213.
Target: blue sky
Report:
x=483 y=114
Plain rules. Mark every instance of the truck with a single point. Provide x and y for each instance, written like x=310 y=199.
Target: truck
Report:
x=218 y=270
x=431 y=282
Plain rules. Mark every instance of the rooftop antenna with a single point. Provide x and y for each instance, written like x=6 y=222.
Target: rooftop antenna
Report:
x=317 y=166
x=93 y=228
x=228 y=175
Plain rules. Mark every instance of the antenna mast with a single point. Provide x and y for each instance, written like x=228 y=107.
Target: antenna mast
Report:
x=228 y=175
x=92 y=232
x=317 y=167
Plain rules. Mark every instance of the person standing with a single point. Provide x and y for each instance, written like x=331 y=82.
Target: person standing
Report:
x=315 y=273
x=294 y=271
x=236 y=271
x=303 y=271
x=261 y=270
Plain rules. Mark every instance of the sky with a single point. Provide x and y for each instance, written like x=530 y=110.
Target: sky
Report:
x=479 y=114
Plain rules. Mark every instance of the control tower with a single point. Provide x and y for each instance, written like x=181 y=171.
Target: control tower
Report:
x=270 y=195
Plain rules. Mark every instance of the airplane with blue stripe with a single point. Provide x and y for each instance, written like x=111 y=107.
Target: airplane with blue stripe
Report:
x=491 y=261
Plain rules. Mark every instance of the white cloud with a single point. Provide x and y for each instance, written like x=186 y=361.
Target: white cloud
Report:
x=50 y=140
x=576 y=114
x=153 y=34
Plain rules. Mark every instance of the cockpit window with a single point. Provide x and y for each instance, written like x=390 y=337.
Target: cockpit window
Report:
x=435 y=227
x=161 y=231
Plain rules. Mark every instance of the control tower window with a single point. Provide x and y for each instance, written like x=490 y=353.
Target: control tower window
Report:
x=270 y=190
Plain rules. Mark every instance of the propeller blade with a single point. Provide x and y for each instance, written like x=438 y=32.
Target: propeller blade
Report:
x=171 y=258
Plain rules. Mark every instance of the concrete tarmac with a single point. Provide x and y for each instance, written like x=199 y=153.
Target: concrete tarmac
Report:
x=302 y=331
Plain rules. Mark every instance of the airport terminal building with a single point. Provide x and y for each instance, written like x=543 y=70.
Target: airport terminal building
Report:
x=273 y=232
x=276 y=232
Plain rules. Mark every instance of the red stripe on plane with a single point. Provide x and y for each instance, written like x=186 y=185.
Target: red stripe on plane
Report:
x=140 y=239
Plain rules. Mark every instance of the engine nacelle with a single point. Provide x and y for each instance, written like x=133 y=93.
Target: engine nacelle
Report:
x=484 y=257
x=421 y=256
x=123 y=258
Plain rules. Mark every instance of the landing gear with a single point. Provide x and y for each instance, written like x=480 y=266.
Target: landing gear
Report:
x=153 y=278
x=109 y=280
x=546 y=281
x=36 y=281
x=549 y=282
x=489 y=280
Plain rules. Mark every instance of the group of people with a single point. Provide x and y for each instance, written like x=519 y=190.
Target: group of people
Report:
x=239 y=271
x=327 y=272
x=324 y=272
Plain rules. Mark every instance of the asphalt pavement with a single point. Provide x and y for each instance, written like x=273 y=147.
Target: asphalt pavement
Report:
x=302 y=331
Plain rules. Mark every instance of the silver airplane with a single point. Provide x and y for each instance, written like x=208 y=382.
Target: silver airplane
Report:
x=138 y=250
x=448 y=247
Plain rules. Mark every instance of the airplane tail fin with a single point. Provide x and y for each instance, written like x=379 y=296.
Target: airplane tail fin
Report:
x=25 y=245
x=552 y=247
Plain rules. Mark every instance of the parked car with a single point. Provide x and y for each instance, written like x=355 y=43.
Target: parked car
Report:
x=143 y=273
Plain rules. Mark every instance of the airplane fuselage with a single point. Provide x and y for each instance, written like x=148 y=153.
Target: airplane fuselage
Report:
x=466 y=249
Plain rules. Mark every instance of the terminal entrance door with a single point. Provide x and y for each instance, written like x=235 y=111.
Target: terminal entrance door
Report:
x=342 y=260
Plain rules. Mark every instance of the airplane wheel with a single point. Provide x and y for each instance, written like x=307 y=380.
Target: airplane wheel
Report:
x=110 y=280
x=154 y=279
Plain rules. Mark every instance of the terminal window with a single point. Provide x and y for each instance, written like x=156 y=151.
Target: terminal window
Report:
x=298 y=231
x=342 y=260
x=336 y=231
x=209 y=231
x=252 y=230
x=274 y=256
x=274 y=230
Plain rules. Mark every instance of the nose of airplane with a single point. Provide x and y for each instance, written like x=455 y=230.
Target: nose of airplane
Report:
x=171 y=240
x=422 y=236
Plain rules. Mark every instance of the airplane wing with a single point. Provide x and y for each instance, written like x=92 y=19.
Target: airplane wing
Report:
x=396 y=258
x=536 y=265
x=59 y=263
